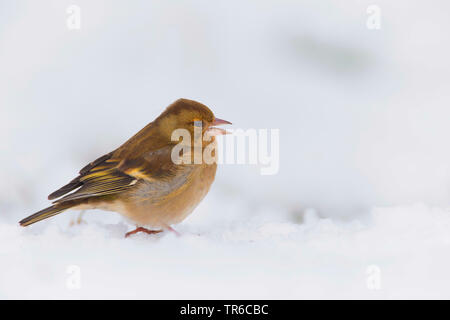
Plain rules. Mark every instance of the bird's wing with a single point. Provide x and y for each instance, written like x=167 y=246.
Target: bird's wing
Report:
x=151 y=165
x=76 y=183
x=108 y=175
x=100 y=180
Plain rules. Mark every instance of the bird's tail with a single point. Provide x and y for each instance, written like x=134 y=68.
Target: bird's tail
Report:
x=46 y=213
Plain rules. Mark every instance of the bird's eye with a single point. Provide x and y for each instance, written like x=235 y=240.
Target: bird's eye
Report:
x=198 y=123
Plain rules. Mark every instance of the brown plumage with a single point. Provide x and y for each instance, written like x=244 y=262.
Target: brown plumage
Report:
x=139 y=179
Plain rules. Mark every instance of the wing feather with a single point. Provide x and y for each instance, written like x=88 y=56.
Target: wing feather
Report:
x=101 y=182
x=76 y=183
x=107 y=175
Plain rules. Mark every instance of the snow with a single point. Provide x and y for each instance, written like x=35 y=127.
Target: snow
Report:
x=358 y=209
x=224 y=253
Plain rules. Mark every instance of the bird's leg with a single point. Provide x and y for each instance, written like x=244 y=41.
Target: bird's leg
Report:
x=78 y=220
x=173 y=230
x=141 y=229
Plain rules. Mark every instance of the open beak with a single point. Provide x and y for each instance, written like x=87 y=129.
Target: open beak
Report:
x=217 y=131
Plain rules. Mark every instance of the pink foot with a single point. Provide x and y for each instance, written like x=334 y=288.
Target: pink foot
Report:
x=141 y=229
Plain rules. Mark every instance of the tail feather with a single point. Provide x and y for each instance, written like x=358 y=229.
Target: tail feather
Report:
x=45 y=213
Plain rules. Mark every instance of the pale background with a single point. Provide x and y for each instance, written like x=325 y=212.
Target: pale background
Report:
x=363 y=118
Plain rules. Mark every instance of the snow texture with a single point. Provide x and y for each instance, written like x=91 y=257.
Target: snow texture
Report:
x=226 y=253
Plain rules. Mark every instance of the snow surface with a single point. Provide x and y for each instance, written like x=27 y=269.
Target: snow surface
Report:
x=226 y=253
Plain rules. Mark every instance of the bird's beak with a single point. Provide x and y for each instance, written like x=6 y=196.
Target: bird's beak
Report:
x=217 y=131
x=218 y=122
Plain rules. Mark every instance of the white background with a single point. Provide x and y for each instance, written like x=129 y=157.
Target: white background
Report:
x=363 y=118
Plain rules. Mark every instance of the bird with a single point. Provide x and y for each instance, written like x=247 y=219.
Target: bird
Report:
x=142 y=180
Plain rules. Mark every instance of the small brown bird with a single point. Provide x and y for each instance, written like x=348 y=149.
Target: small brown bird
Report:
x=140 y=179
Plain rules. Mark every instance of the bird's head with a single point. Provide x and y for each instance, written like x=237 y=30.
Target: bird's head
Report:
x=192 y=116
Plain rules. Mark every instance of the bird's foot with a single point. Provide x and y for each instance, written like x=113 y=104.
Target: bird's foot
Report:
x=141 y=229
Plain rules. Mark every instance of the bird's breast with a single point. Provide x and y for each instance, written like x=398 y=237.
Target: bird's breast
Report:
x=169 y=200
